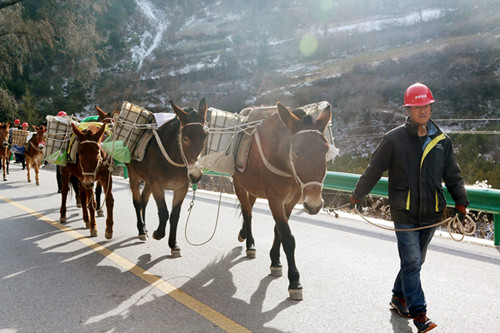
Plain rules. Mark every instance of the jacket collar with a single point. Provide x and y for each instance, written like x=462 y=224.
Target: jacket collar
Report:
x=432 y=128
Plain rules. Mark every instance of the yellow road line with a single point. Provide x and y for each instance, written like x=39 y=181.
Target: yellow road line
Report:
x=192 y=303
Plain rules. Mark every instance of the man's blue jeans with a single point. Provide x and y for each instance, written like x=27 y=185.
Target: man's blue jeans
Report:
x=412 y=247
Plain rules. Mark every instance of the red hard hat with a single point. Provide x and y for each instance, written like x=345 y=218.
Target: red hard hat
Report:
x=418 y=94
x=17 y=121
x=24 y=124
x=62 y=114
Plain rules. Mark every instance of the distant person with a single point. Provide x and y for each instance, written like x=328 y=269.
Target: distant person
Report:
x=419 y=157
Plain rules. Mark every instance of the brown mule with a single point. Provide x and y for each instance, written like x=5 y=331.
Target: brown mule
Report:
x=34 y=152
x=92 y=166
x=182 y=140
x=5 y=153
x=286 y=162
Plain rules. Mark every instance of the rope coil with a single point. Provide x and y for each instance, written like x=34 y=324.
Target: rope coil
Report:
x=452 y=224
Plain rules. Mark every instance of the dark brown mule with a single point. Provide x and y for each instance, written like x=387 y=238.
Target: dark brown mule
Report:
x=92 y=166
x=106 y=118
x=182 y=139
x=286 y=162
x=34 y=152
x=4 y=149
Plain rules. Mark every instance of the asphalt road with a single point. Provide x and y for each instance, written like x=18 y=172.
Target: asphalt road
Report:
x=54 y=278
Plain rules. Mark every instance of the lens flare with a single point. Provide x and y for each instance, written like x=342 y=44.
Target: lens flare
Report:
x=308 y=45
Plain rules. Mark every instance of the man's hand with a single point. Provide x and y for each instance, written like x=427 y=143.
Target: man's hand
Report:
x=461 y=212
x=355 y=203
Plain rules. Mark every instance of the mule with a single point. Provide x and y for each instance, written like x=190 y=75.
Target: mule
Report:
x=169 y=166
x=91 y=166
x=4 y=149
x=34 y=152
x=286 y=162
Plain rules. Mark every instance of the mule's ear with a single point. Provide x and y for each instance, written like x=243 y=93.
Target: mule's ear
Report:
x=100 y=132
x=102 y=114
x=181 y=114
x=202 y=108
x=287 y=118
x=323 y=119
x=77 y=132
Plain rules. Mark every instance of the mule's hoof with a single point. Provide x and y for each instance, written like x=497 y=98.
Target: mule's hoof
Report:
x=155 y=236
x=100 y=213
x=143 y=237
x=93 y=233
x=29 y=180
x=176 y=253
x=295 y=294
x=37 y=183
x=251 y=254
x=277 y=271
x=108 y=235
x=5 y=179
x=63 y=219
x=241 y=237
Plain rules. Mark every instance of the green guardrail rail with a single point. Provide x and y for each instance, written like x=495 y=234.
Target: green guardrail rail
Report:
x=481 y=199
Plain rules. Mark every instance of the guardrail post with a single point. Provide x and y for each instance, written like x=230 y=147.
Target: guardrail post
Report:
x=496 y=229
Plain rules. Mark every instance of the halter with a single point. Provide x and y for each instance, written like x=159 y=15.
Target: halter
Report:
x=179 y=141
x=99 y=161
x=40 y=142
x=279 y=172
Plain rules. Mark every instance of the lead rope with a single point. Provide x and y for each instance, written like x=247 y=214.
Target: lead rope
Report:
x=451 y=222
x=216 y=220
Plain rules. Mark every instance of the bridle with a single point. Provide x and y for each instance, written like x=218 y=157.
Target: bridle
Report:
x=99 y=159
x=179 y=141
x=294 y=174
x=39 y=142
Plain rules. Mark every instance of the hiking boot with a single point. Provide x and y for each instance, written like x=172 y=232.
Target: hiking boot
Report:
x=423 y=323
x=399 y=304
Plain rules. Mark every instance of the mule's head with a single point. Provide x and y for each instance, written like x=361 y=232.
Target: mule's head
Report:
x=105 y=117
x=90 y=155
x=39 y=137
x=308 y=148
x=192 y=136
x=4 y=134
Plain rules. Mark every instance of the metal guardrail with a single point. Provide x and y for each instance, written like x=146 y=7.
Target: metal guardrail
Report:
x=481 y=199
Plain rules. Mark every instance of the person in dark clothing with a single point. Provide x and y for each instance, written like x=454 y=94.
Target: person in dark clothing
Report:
x=418 y=157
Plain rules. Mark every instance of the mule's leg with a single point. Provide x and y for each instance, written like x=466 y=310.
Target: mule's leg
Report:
x=98 y=192
x=3 y=167
x=159 y=196
x=89 y=205
x=36 y=166
x=28 y=169
x=64 y=193
x=246 y=201
x=145 y=195
x=177 y=201
x=276 y=267
x=136 y=200
x=288 y=242
x=75 y=183
x=110 y=201
x=85 y=211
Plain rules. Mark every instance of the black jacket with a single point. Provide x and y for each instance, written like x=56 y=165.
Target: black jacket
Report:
x=416 y=172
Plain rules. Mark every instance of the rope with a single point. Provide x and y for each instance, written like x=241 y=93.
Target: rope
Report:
x=452 y=224
x=216 y=220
